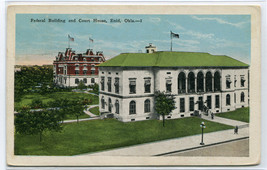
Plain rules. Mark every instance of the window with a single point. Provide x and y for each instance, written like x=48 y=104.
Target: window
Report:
x=132 y=107
x=85 y=80
x=217 y=101
x=228 y=82
x=102 y=82
x=84 y=59
x=235 y=81
x=102 y=103
x=181 y=105
x=109 y=84
x=92 y=80
x=168 y=86
x=65 y=80
x=234 y=97
x=76 y=81
x=147 y=105
x=109 y=105
x=147 y=85
x=117 y=85
x=209 y=102
x=92 y=71
x=117 y=107
x=168 y=72
x=84 y=72
x=200 y=103
x=228 y=99
x=242 y=81
x=65 y=70
x=76 y=71
x=132 y=86
x=242 y=97
x=191 y=104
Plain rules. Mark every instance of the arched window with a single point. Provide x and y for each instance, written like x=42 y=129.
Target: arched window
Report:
x=191 y=82
x=132 y=107
x=109 y=105
x=76 y=81
x=181 y=82
x=92 y=80
x=228 y=99
x=102 y=103
x=200 y=82
x=147 y=105
x=117 y=107
x=208 y=82
x=217 y=81
x=242 y=97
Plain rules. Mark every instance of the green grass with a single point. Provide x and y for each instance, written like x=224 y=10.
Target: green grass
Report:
x=27 y=99
x=95 y=110
x=98 y=135
x=241 y=114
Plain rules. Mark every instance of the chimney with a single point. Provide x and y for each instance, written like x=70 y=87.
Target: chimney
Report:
x=151 y=48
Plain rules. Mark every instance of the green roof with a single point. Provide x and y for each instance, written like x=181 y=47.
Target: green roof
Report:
x=172 y=59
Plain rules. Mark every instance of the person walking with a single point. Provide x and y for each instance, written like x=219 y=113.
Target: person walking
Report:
x=212 y=115
x=236 y=130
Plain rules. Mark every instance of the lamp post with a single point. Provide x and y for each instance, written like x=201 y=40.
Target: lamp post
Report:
x=202 y=125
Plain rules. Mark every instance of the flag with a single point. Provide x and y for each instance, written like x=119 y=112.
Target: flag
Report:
x=174 y=35
x=91 y=40
x=70 y=38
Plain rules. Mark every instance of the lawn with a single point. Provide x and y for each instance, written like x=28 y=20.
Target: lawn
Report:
x=97 y=135
x=241 y=114
x=95 y=110
x=73 y=117
x=27 y=99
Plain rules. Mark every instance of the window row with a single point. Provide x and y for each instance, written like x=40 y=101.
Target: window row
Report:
x=109 y=84
x=77 y=81
x=229 y=82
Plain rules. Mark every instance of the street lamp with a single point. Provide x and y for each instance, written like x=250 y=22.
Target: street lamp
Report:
x=202 y=125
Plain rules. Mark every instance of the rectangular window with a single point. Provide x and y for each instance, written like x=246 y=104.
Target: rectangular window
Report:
x=200 y=103
x=182 y=108
x=168 y=86
x=242 y=81
x=84 y=72
x=109 y=84
x=117 y=85
x=147 y=85
x=132 y=86
x=102 y=83
x=217 y=101
x=191 y=104
x=92 y=71
x=76 y=81
x=209 y=102
x=85 y=80
x=168 y=72
x=76 y=71
x=228 y=82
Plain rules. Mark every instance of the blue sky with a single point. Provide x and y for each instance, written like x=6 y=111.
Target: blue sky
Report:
x=39 y=43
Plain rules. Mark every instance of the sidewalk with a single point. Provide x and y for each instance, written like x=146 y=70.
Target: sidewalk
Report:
x=160 y=148
x=80 y=120
x=87 y=111
x=225 y=121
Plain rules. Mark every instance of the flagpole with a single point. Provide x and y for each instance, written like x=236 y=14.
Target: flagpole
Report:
x=171 y=41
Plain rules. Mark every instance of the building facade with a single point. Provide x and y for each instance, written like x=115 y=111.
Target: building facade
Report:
x=71 y=68
x=128 y=83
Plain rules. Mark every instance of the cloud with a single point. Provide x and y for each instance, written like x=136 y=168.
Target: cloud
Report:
x=199 y=35
x=155 y=20
x=219 y=20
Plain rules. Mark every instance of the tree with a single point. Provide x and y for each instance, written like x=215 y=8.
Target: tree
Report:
x=32 y=123
x=164 y=104
x=81 y=85
x=36 y=104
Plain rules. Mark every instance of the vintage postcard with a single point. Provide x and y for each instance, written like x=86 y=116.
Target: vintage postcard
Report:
x=133 y=85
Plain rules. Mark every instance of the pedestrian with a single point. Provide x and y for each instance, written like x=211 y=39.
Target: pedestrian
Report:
x=212 y=115
x=236 y=130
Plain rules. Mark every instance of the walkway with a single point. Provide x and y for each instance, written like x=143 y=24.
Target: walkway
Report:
x=161 y=148
x=87 y=111
x=225 y=121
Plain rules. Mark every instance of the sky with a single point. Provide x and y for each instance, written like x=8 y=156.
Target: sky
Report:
x=39 y=42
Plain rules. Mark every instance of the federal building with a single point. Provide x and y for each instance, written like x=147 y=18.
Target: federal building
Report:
x=70 y=68
x=128 y=82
